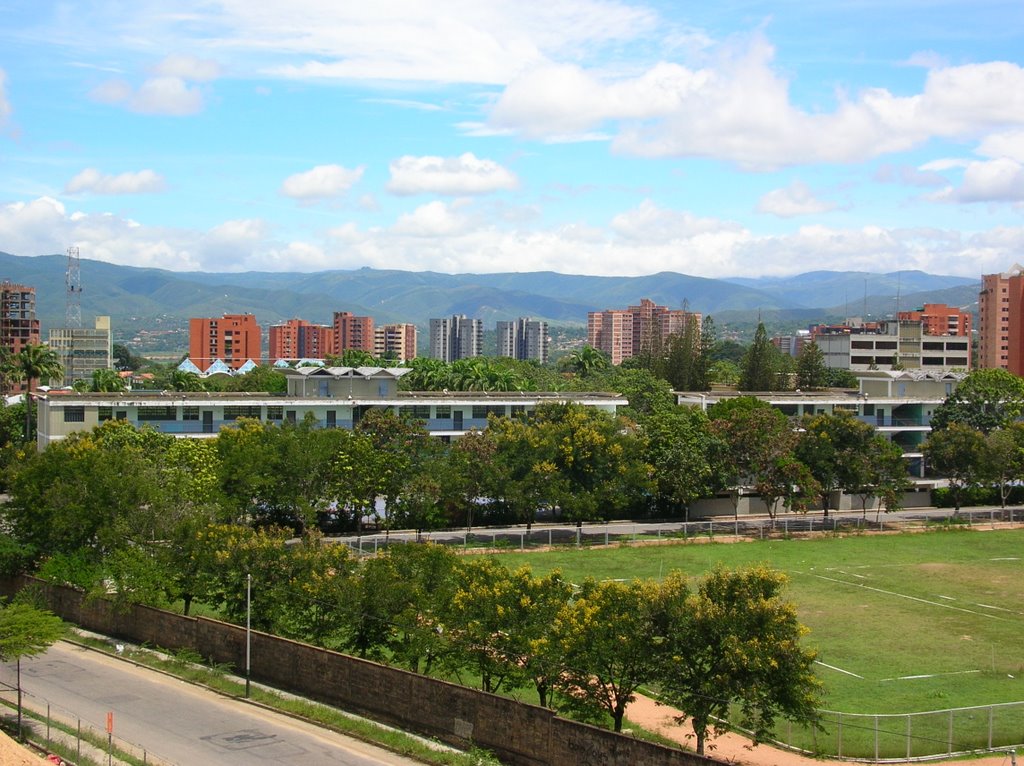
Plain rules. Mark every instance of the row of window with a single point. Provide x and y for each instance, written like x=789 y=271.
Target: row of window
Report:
x=153 y=414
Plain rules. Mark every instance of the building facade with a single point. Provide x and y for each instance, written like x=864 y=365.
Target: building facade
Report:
x=352 y=332
x=334 y=397
x=938 y=319
x=891 y=345
x=234 y=339
x=624 y=333
x=456 y=338
x=18 y=324
x=523 y=339
x=994 y=317
x=83 y=350
x=395 y=341
x=299 y=339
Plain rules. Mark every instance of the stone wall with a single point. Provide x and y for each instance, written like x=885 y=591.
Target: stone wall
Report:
x=518 y=733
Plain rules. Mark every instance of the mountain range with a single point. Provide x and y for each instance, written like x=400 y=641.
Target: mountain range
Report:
x=136 y=297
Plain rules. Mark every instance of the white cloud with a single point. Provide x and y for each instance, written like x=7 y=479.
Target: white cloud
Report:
x=649 y=223
x=1000 y=180
x=186 y=67
x=1007 y=144
x=321 y=181
x=157 y=95
x=948 y=163
x=5 y=105
x=796 y=199
x=435 y=219
x=91 y=180
x=926 y=59
x=465 y=174
x=738 y=108
x=908 y=175
x=452 y=237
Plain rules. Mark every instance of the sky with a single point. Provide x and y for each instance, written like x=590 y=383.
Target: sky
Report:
x=606 y=137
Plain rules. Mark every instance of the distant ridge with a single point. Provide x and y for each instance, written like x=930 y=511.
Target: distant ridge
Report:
x=132 y=293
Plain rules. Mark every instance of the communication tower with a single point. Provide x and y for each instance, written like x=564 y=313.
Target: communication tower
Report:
x=73 y=281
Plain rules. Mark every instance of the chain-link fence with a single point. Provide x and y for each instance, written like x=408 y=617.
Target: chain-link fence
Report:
x=910 y=736
x=628 y=533
x=58 y=729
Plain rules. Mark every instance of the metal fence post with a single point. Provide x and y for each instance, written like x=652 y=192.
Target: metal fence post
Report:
x=839 y=735
x=951 y=731
x=908 y=736
x=991 y=713
x=876 y=737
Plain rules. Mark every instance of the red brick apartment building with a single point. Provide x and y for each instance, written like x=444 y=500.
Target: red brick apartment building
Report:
x=352 y=332
x=18 y=324
x=234 y=338
x=623 y=333
x=299 y=339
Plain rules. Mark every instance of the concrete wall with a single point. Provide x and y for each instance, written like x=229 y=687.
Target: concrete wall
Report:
x=519 y=734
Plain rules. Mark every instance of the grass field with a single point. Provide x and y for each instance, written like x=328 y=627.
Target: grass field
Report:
x=903 y=623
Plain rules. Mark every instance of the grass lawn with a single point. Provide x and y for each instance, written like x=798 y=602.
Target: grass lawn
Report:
x=880 y=607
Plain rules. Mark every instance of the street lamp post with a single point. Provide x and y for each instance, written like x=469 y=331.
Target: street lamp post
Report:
x=248 y=632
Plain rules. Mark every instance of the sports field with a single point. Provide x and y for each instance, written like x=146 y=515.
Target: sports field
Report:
x=902 y=623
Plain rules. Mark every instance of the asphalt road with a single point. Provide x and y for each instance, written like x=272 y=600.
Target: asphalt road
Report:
x=180 y=723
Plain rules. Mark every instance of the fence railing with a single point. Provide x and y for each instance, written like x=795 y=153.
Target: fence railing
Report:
x=630 y=533
x=901 y=737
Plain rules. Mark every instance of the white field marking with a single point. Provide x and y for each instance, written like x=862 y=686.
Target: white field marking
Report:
x=838 y=670
x=848 y=574
x=1007 y=558
x=931 y=675
x=913 y=598
x=998 y=608
x=948 y=598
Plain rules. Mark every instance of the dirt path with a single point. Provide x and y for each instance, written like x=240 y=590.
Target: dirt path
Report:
x=736 y=749
x=13 y=754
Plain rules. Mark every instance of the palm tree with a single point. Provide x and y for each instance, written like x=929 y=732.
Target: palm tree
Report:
x=36 y=362
x=107 y=381
x=586 y=360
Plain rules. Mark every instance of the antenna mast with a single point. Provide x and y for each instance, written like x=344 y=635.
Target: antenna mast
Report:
x=73 y=282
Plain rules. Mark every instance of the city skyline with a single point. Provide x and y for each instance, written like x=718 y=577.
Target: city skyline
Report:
x=586 y=137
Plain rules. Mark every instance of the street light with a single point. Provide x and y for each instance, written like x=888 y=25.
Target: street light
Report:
x=248 y=632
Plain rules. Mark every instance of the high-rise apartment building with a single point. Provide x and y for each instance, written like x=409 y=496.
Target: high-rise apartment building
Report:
x=83 y=350
x=995 y=322
x=299 y=339
x=939 y=319
x=395 y=341
x=18 y=324
x=456 y=338
x=523 y=338
x=234 y=338
x=624 y=333
x=352 y=332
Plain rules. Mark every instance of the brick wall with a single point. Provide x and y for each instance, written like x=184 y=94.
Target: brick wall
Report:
x=519 y=734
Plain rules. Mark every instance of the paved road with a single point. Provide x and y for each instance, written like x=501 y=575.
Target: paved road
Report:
x=180 y=723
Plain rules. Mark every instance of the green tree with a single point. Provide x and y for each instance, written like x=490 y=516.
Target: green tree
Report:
x=984 y=400
x=735 y=643
x=26 y=631
x=182 y=380
x=759 y=444
x=1004 y=458
x=682 y=451
x=585 y=361
x=957 y=453
x=830 y=445
x=36 y=362
x=811 y=372
x=107 y=381
x=878 y=471
x=605 y=637
x=761 y=364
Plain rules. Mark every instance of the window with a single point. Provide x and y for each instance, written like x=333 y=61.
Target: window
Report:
x=241 y=411
x=416 y=411
x=74 y=414
x=443 y=412
x=105 y=413
x=190 y=413
x=332 y=419
x=275 y=413
x=157 y=413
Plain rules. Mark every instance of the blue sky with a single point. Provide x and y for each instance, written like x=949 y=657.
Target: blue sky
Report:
x=579 y=136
